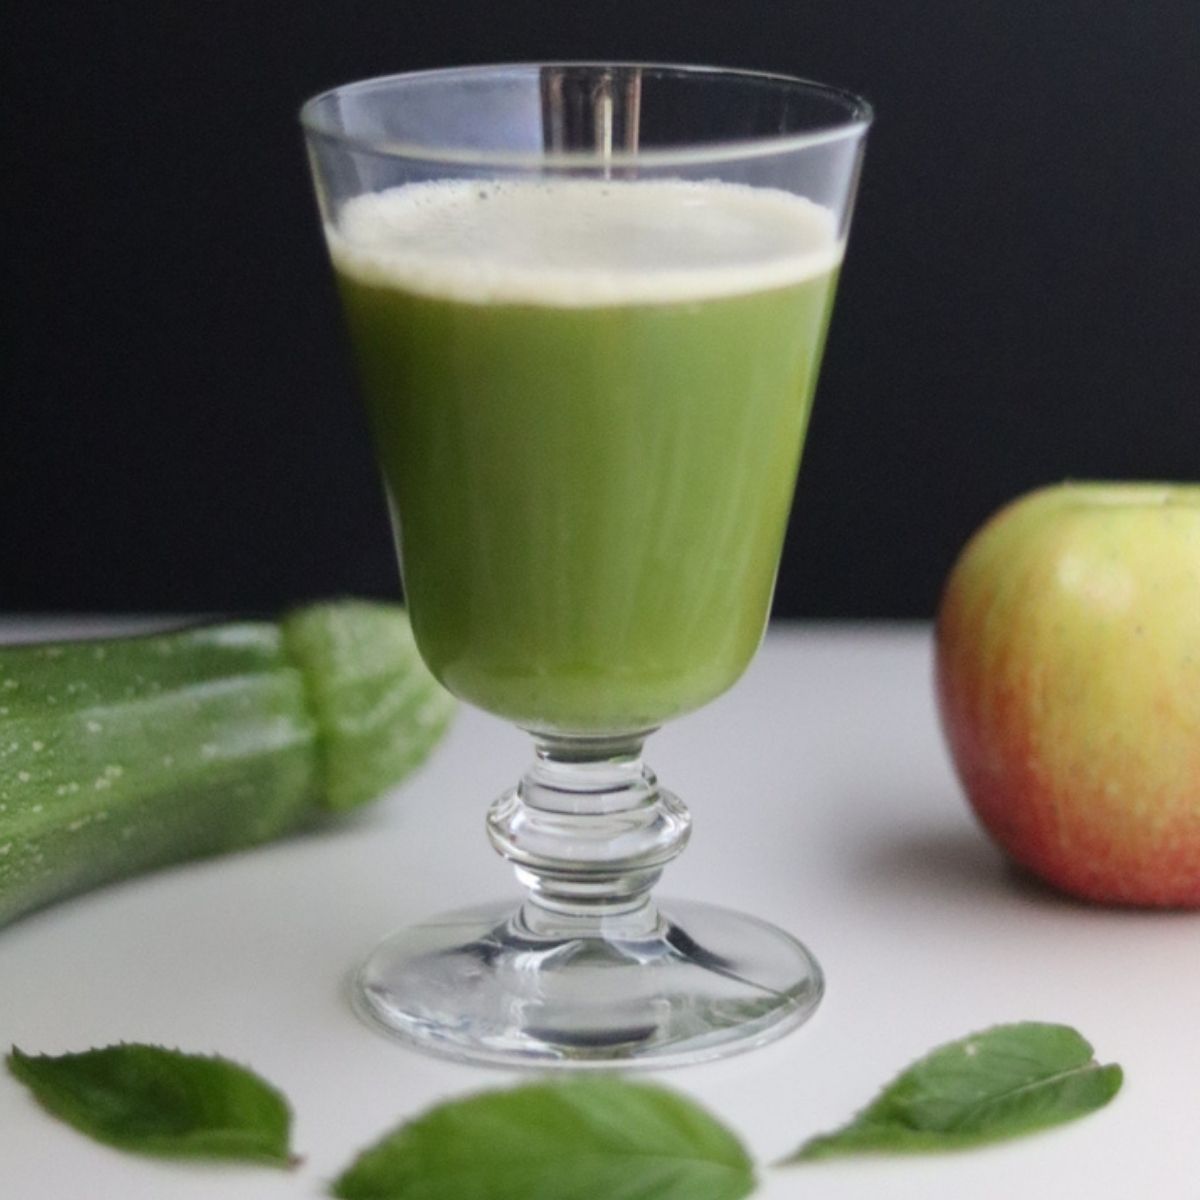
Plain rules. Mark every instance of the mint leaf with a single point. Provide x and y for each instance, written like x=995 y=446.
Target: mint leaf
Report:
x=581 y=1139
x=1001 y=1083
x=161 y=1102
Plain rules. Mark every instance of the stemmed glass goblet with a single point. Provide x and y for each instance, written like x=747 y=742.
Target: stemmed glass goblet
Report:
x=588 y=304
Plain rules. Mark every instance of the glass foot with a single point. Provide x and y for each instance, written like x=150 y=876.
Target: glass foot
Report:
x=690 y=983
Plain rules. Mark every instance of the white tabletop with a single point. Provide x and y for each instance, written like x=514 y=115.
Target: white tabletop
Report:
x=823 y=800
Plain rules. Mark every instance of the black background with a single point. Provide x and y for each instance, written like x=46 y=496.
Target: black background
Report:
x=1020 y=302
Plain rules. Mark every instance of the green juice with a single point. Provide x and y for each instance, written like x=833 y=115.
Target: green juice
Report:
x=591 y=480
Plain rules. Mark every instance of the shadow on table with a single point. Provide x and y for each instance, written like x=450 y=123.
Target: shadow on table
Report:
x=961 y=866
x=956 y=866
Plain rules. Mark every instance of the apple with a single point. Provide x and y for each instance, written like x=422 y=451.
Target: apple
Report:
x=1068 y=680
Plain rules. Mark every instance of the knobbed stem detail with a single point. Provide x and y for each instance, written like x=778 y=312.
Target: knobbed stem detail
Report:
x=589 y=830
x=588 y=970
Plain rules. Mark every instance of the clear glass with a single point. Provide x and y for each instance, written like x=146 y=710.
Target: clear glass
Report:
x=588 y=304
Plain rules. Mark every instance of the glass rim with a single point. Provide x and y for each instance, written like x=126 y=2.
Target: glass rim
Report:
x=859 y=115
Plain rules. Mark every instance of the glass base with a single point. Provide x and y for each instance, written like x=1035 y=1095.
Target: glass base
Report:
x=488 y=985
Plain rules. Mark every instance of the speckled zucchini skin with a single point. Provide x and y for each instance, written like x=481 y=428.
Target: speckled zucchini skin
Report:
x=121 y=755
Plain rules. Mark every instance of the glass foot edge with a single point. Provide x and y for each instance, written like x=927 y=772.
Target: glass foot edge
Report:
x=474 y=986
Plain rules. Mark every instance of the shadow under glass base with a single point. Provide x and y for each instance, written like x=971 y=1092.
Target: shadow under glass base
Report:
x=686 y=984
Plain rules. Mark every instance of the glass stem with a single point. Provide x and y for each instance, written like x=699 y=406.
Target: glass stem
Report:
x=588 y=831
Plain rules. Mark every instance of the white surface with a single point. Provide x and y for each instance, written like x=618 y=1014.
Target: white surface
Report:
x=823 y=801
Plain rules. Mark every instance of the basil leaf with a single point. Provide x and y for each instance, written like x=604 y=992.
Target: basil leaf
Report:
x=161 y=1102
x=581 y=1139
x=1001 y=1083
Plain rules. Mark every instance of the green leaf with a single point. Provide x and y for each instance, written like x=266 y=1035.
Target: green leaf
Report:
x=162 y=1102
x=595 y=1138
x=1001 y=1083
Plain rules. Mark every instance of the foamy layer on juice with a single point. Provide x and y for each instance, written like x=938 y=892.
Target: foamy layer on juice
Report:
x=583 y=243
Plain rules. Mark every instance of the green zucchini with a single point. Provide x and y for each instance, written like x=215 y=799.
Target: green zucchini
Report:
x=121 y=755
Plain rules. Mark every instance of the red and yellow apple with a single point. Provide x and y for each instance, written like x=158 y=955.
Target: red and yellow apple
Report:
x=1068 y=677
